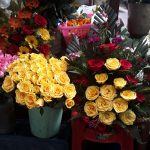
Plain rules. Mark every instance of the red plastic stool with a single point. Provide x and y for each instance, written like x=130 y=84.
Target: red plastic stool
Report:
x=80 y=133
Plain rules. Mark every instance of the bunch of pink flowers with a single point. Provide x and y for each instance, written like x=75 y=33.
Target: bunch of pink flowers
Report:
x=5 y=60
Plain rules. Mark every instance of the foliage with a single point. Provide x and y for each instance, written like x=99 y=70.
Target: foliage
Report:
x=111 y=73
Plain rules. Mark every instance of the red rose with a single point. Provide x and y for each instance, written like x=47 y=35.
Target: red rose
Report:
x=140 y=98
x=27 y=29
x=95 y=64
x=108 y=48
x=17 y=38
x=148 y=76
x=82 y=80
x=44 y=49
x=131 y=79
x=77 y=99
x=40 y=20
x=13 y=49
x=125 y=64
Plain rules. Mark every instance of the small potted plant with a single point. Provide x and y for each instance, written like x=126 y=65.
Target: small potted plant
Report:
x=138 y=17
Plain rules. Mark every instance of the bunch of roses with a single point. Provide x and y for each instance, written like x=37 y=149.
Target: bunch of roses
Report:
x=26 y=32
x=109 y=96
x=5 y=60
x=38 y=81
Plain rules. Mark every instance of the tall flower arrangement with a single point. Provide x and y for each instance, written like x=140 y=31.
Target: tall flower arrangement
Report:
x=108 y=69
x=26 y=31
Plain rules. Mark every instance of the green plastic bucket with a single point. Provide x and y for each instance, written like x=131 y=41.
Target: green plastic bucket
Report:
x=47 y=123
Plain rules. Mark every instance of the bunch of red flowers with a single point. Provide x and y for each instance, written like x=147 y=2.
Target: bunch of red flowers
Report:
x=26 y=31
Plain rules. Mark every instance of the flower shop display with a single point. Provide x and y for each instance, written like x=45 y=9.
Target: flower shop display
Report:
x=7 y=110
x=43 y=86
x=26 y=31
x=109 y=73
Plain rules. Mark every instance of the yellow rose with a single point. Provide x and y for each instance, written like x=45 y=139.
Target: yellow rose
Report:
x=101 y=78
x=11 y=66
x=14 y=76
x=34 y=67
x=62 y=78
x=107 y=117
x=108 y=92
x=35 y=89
x=120 y=105
x=35 y=79
x=120 y=83
x=70 y=91
x=47 y=98
x=90 y=109
x=30 y=100
x=25 y=86
x=34 y=56
x=128 y=95
x=58 y=65
x=53 y=61
x=63 y=63
x=56 y=91
x=39 y=102
x=103 y=104
x=69 y=103
x=23 y=75
x=20 y=97
x=17 y=67
x=42 y=79
x=128 y=117
x=50 y=76
x=112 y=64
x=45 y=89
x=8 y=85
x=42 y=70
x=92 y=92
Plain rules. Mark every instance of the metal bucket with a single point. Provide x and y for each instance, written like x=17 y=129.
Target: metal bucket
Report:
x=138 y=19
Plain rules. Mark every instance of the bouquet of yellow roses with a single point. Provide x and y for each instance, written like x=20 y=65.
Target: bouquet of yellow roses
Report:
x=38 y=81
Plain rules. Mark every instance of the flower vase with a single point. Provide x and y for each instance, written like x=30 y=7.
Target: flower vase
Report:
x=138 y=19
x=7 y=116
x=45 y=122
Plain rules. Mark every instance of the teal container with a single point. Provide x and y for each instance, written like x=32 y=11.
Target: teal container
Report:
x=47 y=123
